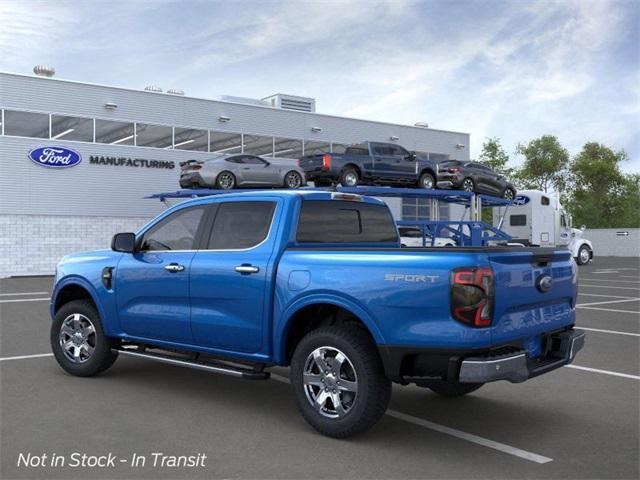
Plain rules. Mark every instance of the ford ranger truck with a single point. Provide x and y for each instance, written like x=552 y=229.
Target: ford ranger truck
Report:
x=371 y=163
x=316 y=281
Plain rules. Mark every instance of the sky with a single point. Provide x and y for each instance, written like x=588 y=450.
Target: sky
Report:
x=509 y=69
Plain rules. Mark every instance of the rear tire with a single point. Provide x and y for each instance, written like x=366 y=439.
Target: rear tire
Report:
x=226 y=180
x=468 y=185
x=293 y=180
x=78 y=340
x=427 y=181
x=339 y=364
x=451 y=389
x=349 y=177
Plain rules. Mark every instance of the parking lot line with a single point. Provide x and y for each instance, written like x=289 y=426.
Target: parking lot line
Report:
x=611 y=281
x=608 y=301
x=17 y=300
x=469 y=437
x=609 y=310
x=601 y=295
x=24 y=357
x=615 y=332
x=606 y=372
x=22 y=293
x=611 y=286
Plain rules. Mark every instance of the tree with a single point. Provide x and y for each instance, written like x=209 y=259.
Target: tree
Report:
x=601 y=196
x=495 y=157
x=545 y=164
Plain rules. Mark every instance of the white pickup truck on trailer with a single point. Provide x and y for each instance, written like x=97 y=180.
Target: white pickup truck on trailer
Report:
x=538 y=219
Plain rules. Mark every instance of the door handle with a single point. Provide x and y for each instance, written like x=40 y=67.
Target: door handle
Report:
x=247 y=269
x=174 y=268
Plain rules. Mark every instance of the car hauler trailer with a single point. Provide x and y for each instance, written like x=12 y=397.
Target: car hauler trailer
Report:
x=465 y=233
x=538 y=219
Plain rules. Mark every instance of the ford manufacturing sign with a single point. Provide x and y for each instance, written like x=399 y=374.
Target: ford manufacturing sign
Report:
x=55 y=157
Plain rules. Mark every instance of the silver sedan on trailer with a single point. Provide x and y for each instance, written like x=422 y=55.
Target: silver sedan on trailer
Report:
x=241 y=170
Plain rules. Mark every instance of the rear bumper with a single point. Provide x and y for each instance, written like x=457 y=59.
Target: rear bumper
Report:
x=192 y=179
x=509 y=362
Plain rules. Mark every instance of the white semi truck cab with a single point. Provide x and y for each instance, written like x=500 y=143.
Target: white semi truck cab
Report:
x=538 y=219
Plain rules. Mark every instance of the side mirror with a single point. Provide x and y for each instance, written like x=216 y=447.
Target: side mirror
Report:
x=583 y=228
x=412 y=156
x=124 y=242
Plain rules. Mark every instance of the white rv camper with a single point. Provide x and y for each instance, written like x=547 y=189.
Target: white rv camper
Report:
x=538 y=219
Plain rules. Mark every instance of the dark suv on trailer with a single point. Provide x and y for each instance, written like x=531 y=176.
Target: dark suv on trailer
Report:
x=474 y=177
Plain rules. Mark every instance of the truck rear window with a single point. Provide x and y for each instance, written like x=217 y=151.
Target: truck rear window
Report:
x=339 y=221
x=356 y=151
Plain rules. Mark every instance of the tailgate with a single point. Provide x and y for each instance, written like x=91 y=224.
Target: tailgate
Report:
x=311 y=163
x=535 y=292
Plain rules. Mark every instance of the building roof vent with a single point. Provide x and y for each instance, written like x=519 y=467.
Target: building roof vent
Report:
x=175 y=91
x=44 y=71
x=153 y=88
x=291 y=102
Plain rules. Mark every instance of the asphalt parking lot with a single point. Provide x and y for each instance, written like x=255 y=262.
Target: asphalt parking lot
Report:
x=580 y=422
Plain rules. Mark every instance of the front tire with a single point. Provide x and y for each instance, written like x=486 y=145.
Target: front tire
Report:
x=78 y=340
x=451 y=389
x=584 y=255
x=509 y=194
x=338 y=381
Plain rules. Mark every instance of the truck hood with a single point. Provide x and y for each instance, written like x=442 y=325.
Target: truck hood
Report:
x=96 y=256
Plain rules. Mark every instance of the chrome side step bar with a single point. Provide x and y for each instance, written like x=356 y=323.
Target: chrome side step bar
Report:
x=223 y=369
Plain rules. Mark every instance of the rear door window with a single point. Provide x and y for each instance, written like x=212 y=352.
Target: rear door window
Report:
x=241 y=225
x=339 y=221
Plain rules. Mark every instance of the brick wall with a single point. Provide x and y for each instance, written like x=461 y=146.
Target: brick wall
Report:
x=33 y=244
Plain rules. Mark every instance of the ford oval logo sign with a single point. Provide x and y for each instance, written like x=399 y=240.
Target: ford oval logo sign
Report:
x=55 y=157
x=521 y=200
x=544 y=283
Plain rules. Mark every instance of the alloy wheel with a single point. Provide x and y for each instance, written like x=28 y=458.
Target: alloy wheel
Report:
x=330 y=382
x=467 y=185
x=508 y=194
x=427 y=182
x=293 y=180
x=584 y=255
x=77 y=338
x=350 y=179
x=226 y=181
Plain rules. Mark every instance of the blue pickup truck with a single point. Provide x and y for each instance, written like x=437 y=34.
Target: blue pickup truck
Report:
x=237 y=283
x=371 y=163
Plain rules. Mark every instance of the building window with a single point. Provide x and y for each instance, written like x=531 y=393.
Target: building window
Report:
x=287 y=148
x=114 y=133
x=26 y=124
x=415 y=209
x=314 y=148
x=258 y=145
x=71 y=128
x=338 y=147
x=225 y=142
x=190 y=139
x=157 y=136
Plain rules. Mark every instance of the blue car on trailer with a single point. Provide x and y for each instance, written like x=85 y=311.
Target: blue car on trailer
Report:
x=315 y=280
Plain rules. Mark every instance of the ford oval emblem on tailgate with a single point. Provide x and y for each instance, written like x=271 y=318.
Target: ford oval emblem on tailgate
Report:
x=544 y=283
x=55 y=157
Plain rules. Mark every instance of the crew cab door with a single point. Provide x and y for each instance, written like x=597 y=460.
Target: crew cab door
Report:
x=152 y=285
x=230 y=276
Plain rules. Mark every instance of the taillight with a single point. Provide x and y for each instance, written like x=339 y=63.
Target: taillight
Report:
x=196 y=167
x=326 y=161
x=453 y=170
x=299 y=163
x=472 y=296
